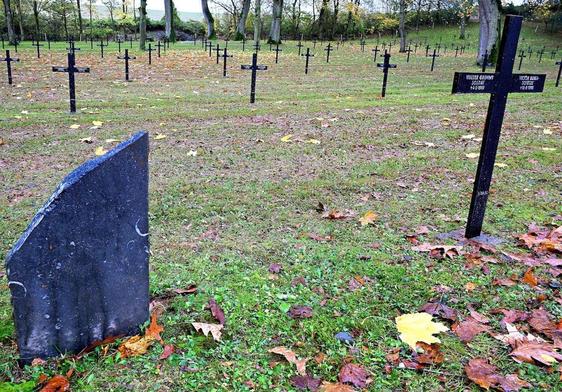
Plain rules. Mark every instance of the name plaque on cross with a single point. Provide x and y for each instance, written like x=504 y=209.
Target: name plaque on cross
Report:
x=469 y=82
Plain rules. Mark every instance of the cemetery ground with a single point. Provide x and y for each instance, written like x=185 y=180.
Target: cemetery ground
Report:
x=265 y=209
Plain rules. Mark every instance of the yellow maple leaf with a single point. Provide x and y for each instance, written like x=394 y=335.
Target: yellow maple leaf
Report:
x=97 y=123
x=100 y=151
x=313 y=141
x=418 y=327
x=75 y=126
x=160 y=136
x=286 y=138
x=472 y=155
x=368 y=219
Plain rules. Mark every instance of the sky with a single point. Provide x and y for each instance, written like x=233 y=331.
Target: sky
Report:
x=181 y=5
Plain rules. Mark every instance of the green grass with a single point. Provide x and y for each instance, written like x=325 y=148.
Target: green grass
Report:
x=259 y=195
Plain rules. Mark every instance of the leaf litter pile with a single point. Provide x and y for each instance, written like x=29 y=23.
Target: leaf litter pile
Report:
x=532 y=336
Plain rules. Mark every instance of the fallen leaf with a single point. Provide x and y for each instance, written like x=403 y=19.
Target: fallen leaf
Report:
x=338 y=215
x=168 y=350
x=100 y=151
x=354 y=374
x=466 y=330
x=530 y=278
x=428 y=354
x=335 y=387
x=97 y=123
x=160 y=136
x=439 y=309
x=306 y=383
x=214 y=329
x=74 y=126
x=291 y=357
x=486 y=375
x=541 y=321
x=138 y=345
x=438 y=251
x=300 y=312
x=418 y=327
x=216 y=311
x=368 y=219
x=57 y=383
x=472 y=155
x=287 y=138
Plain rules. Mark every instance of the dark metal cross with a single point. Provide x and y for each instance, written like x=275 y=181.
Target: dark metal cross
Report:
x=389 y=47
x=300 y=45
x=71 y=69
x=362 y=43
x=416 y=48
x=427 y=51
x=328 y=49
x=540 y=55
x=553 y=54
x=9 y=61
x=160 y=46
x=559 y=72
x=224 y=56
x=204 y=43
x=257 y=46
x=457 y=51
x=409 y=50
x=385 y=66
x=150 y=50
x=433 y=56
x=131 y=42
x=376 y=51
x=308 y=55
x=72 y=47
x=530 y=51
x=243 y=44
x=217 y=50
x=499 y=85
x=254 y=67
x=126 y=57
x=119 y=42
x=276 y=50
x=521 y=56
x=37 y=45
x=102 y=45
x=208 y=45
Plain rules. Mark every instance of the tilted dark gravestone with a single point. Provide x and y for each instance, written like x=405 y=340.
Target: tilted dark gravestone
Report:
x=499 y=85
x=559 y=63
x=126 y=57
x=9 y=61
x=385 y=66
x=71 y=69
x=224 y=56
x=308 y=55
x=254 y=67
x=79 y=273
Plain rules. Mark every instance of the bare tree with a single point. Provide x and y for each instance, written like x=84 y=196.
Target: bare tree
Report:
x=241 y=25
x=489 y=15
x=168 y=17
x=79 y=12
x=111 y=5
x=276 y=16
x=402 y=8
x=257 y=21
x=209 y=19
x=142 y=24
x=20 y=19
x=9 y=21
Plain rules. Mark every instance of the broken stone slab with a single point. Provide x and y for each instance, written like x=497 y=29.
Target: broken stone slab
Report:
x=79 y=273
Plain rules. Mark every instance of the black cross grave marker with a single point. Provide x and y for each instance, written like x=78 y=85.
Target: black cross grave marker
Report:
x=427 y=51
x=257 y=46
x=553 y=54
x=102 y=45
x=126 y=57
x=499 y=85
x=300 y=45
x=375 y=51
x=71 y=69
x=521 y=56
x=409 y=50
x=243 y=44
x=433 y=56
x=224 y=56
x=38 y=48
x=208 y=45
x=204 y=43
x=218 y=51
x=131 y=42
x=159 y=46
x=457 y=51
x=308 y=56
x=9 y=61
x=16 y=46
x=389 y=47
x=119 y=42
x=328 y=49
x=276 y=50
x=150 y=50
x=530 y=51
x=416 y=48
x=385 y=66
x=254 y=67
x=559 y=63
x=541 y=52
x=362 y=43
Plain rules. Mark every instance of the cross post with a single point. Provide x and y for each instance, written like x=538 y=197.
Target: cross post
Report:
x=217 y=50
x=225 y=55
x=9 y=61
x=385 y=66
x=499 y=85
x=300 y=45
x=126 y=57
x=102 y=45
x=257 y=46
x=254 y=67
x=328 y=49
x=376 y=51
x=308 y=56
x=559 y=63
x=208 y=45
x=521 y=55
x=277 y=50
x=433 y=56
x=71 y=69
x=362 y=43
x=119 y=42
x=150 y=50
x=409 y=50
x=159 y=46
x=37 y=45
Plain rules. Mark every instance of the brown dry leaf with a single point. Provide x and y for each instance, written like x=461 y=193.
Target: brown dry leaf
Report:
x=466 y=330
x=214 y=329
x=306 y=383
x=428 y=354
x=368 y=219
x=526 y=350
x=335 y=387
x=541 y=321
x=153 y=330
x=291 y=357
x=477 y=316
x=317 y=237
x=440 y=309
x=57 y=383
x=319 y=358
x=470 y=286
x=168 y=350
x=300 y=312
x=486 y=375
x=338 y=215
x=96 y=344
x=530 y=278
x=138 y=345
x=439 y=251
x=216 y=311
x=354 y=374
x=543 y=240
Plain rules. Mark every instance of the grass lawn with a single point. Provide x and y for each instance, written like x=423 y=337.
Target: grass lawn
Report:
x=248 y=197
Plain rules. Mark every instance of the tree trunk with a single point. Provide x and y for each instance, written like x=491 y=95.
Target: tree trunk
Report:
x=20 y=20
x=36 y=18
x=462 y=34
x=9 y=21
x=142 y=25
x=79 y=11
x=489 y=15
x=209 y=19
x=168 y=17
x=257 y=21
x=277 y=14
x=402 y=26
x=241 y=25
